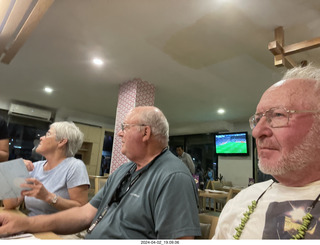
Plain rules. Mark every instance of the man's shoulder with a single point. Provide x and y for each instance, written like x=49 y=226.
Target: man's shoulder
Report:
x=169 y=164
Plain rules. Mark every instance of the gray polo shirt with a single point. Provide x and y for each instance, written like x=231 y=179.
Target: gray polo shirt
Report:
x=162 y=204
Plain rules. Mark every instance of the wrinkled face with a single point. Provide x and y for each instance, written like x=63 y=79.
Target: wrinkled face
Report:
x=282 y=150
x=48 y=143
x=179 y=151
x=132 y=137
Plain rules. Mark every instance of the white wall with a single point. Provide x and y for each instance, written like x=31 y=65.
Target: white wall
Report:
x=86 y=118
x=237 y=169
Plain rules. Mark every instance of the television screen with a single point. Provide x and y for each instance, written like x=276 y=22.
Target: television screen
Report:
x=232 y=144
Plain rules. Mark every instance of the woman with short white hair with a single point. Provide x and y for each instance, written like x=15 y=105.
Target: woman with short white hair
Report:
x=59 y=182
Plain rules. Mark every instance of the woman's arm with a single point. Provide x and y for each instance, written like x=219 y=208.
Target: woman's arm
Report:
x=78 y=195
x=4 y=150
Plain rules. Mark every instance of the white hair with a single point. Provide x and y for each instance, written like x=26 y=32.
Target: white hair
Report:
x=69 y=131
x=158 y=123
x=307 y=72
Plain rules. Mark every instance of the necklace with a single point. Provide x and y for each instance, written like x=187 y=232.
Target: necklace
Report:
x=300 y=232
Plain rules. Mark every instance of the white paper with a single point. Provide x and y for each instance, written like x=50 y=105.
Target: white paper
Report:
x=23 y=236
x=216 y=191
x=12 y=174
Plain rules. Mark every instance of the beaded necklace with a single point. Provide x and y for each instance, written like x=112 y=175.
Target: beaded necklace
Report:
x=300 y=232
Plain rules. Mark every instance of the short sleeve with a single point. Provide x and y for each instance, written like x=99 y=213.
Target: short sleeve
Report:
x=178 y=196
x=77 y=174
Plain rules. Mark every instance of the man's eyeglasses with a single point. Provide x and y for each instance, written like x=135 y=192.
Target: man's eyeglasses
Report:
x=276 y=117
x=127 y=125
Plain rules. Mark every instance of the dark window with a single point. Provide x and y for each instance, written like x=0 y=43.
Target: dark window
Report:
x=24 y=136
x=202 y=150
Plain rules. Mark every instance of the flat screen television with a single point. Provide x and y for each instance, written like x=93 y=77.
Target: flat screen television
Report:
x=232 y=144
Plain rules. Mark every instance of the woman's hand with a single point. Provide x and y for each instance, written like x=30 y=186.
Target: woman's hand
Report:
x=28 y=164
x=36 y=189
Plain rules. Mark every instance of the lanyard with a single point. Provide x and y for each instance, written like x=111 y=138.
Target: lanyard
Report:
x=115 y=197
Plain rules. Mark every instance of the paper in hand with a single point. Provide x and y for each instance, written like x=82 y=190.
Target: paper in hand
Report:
x=12 y=174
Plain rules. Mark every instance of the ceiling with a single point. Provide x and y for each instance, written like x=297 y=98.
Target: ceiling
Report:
x=201 y=55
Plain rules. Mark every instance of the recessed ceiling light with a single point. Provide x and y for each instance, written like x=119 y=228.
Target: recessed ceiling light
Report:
x=48 y=90
x=97 y=61
x=221 y=111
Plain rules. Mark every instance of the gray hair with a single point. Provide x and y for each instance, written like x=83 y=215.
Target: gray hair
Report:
x=307 y=72
x=154 y=118
x=69 y=131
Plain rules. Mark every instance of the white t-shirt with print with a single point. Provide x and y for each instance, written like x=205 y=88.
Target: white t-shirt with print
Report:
x=278 y=214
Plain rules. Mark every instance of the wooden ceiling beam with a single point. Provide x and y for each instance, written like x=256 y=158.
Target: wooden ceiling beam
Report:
x=282 y=53
x=12 y=23
x=30 y=24
x=302 y=46
x=275 y=48
x=279 y=35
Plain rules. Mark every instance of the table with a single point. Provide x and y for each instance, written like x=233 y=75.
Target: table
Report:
x=40 y=235
x=203 y=195
x=235 y=190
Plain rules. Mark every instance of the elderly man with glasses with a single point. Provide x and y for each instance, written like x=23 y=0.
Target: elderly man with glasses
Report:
x=151 y=197
x=286 y=128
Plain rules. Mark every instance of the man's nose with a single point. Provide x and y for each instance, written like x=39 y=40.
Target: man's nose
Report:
x=262 y=128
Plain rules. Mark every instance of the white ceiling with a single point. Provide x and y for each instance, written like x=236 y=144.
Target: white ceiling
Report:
x=201 y=55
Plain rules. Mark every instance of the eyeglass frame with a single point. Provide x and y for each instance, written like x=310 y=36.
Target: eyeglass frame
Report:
x=269 y=120
x=125 y=125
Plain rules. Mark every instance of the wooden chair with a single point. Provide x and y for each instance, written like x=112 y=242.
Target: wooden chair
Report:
x=208 y=226
x=99 y=183
x=232 y=193
x=96 y=182
x=217 y=203
x=220 y=203
x=213 y=185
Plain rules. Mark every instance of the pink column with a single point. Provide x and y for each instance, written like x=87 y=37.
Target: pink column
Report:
x=131 y=94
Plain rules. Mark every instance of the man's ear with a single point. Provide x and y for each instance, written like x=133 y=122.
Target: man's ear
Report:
x=146 y=133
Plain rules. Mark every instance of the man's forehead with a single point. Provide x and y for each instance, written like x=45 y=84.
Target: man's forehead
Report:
x=131 y=115
x=291 y=94
x=302 y=85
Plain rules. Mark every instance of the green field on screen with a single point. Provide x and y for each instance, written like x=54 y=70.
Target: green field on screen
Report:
x=232 y=147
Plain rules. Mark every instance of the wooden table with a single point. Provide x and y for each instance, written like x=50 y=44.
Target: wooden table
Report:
x=40 y=235
x=203 y=195
x=234 y=189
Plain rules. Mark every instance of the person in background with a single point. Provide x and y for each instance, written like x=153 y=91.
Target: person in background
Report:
x=61 y=181
x=185 y=158
x=4 y=141
x=286 y=127
x=152 y=197
x=199 y=172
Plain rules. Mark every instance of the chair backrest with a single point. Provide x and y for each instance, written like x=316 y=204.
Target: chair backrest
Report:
x=213 y=185
x=232 y=193
x=208 y=222
x=99 y=182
